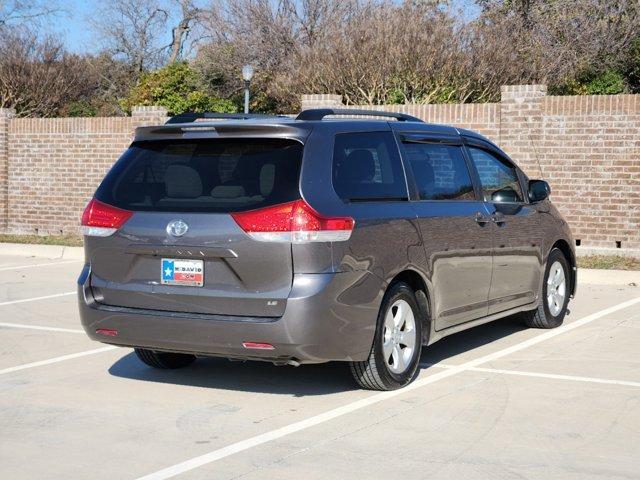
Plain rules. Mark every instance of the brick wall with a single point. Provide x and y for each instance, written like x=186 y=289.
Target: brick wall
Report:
x=587 y=147
x=6 y=115
x=55 y=164
x=590 y=153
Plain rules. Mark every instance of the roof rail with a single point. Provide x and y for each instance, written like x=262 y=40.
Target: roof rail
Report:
x=320 y=113
x=193 y=116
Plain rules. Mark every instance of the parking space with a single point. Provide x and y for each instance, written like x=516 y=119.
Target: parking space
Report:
x=497 y=401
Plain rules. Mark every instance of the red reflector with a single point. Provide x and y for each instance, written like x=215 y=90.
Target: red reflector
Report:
x=98 y=214
x=293 y=222
x=107 y=331
x=258 y=345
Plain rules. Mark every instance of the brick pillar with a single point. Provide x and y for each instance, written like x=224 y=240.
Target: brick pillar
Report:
x=321 y=101
x=148 y=115
x=5 y=119
x=521 y=125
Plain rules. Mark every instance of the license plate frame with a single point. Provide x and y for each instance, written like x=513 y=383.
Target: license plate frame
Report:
x=184 y=272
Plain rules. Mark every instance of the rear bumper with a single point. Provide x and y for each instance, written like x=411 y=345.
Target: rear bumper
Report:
x=328 y=317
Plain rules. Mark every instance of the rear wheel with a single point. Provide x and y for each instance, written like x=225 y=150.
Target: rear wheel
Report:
x=164 y=360
x=397 y=344
x=555 y=294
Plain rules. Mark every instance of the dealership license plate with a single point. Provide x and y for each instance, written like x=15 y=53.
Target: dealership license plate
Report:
x=182 y=272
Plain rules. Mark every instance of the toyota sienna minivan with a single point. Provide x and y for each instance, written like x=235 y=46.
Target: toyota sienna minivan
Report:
x=315 y=239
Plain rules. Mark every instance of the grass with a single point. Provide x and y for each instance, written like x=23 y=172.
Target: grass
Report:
x=609 y=262
x=66 y=240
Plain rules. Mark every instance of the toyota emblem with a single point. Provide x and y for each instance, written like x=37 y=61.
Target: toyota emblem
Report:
x=177 y=228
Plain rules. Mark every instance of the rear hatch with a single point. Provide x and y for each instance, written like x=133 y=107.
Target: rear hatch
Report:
x=181 y=249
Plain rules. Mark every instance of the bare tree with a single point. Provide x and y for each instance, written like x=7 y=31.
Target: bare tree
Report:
x=552 y=43
x=370 y=51
x=37 y=77
x=138 y=31
x=269 y=34
x=26 y=12
x=189 y=14
x=112 y=80
x=132 y=30
x=387 y=53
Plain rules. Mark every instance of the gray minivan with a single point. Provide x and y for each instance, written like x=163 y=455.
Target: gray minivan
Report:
x=316 y=239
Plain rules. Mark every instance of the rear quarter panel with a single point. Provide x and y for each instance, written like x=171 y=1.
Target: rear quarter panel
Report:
x=386 y=238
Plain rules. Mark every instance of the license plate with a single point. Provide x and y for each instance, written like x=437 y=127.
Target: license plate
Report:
x=182 y=272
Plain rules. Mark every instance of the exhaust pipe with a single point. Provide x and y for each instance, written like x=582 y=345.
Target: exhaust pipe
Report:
x=291 y=362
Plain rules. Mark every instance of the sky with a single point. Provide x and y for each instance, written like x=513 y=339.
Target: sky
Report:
x=74 y=24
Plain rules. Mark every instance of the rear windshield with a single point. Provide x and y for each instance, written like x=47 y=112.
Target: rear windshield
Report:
x=205 y=175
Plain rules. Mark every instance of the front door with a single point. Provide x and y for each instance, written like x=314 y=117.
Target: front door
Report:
x=456 y=231
x=517 y=238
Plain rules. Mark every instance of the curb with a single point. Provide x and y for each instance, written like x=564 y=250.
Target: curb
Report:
x=620 y=252
x=42 y=251
x=592 y=276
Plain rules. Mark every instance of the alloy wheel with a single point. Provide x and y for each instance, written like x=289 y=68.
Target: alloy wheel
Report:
x=399 y=337
x=556 y=288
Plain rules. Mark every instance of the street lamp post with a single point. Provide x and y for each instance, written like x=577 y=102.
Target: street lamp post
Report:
x=247 y=75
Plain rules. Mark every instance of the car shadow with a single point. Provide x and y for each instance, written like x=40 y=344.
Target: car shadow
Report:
x=462 y=342
x=246 y=376
x=307 y=380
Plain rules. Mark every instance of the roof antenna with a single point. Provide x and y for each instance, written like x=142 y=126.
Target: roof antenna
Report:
x=533 y=144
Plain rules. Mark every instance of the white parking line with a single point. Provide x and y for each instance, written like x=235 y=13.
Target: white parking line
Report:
x=553 y=376
x=272 y=435
x=34 y=265
x=33 y=299
x=56 y=359
x=38 y=327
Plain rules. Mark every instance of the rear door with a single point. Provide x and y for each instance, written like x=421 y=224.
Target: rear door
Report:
x=183 y=193
x=454 y=225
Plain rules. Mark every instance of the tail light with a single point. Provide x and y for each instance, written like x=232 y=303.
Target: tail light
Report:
x=293 y=222
x=102 y=220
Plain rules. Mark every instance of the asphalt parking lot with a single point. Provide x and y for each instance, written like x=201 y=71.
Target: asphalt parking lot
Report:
x=497 y=402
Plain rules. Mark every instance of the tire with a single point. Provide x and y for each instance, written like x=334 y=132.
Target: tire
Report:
x=164 y=360
x=392 y=364
x=551 y=313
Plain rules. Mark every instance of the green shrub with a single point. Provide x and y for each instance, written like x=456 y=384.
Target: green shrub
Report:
x=607 y=83
x=633 y=67
x=610 y=82
x=178 y=88
x=79 y=109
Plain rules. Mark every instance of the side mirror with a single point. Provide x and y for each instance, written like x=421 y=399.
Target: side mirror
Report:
x=505 y=195
x=539 y=190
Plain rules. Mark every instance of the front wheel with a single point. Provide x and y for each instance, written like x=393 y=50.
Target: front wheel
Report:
x=555 y=294
x=397 y=344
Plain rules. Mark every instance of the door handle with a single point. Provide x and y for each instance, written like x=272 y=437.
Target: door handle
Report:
x=498 y=218
x=481 y=219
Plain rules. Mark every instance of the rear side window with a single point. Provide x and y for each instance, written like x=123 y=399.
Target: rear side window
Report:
x=204 y=175
x=366 y=166
x=440 y=171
